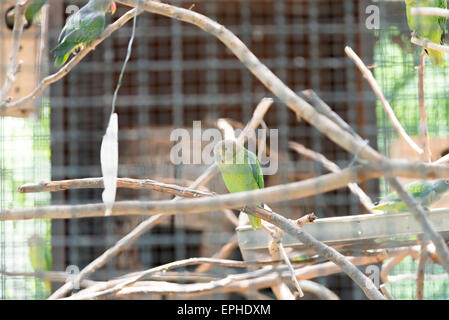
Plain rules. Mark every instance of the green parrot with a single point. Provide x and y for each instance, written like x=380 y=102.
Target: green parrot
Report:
x=240 y=170
x=82 y=28
x=40 y=257
x=425 y=192
x=428 y=27
x=31 y=12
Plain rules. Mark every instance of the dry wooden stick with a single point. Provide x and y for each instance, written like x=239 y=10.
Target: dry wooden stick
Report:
x=90 y=183
x=429 y=45
x=318 y=290
x=423 y=128
x=13 y=63
x=281 y=290
x=388 y=266
x=430 y=11
x=61 y=73
x=146 y=225
x=443 y=159
x=384 y=102
x=424 y=255
x=385 y=291
x=332 y=167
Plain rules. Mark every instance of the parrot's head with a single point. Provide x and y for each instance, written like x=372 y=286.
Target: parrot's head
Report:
x=35 y=240
x=442 y=185
x=103 y=5
x=225 y=151
x=113 y=7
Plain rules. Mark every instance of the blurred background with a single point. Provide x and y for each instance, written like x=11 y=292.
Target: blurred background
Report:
x=179 y=74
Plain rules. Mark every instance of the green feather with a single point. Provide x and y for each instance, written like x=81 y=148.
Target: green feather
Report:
x=426 y=193
x=81 y=29
x=40 y=257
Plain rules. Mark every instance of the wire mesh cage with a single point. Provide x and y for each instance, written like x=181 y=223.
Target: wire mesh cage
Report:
x=180 y=76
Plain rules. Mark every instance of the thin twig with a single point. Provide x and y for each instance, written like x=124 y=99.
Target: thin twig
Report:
x=423 y=128
x=281 y=290
x=306 y=219
x=430 y=11
x=385 y=291
x=332 y=167
x=389 y=265
x=443 y=159
x=424 y=255
x=384 y=102
x=91 y=183
x=429 y=45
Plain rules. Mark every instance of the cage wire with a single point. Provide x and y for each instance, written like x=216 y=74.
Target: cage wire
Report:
x=178 y=74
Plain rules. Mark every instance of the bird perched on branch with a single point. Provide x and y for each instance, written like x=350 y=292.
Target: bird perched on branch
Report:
x=31 y=12
x=431 y=28
x=426 y=193
x=40 y=257
x=240 y=170
x=81 y=28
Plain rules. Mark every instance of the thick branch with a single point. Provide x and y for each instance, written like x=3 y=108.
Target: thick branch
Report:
x=429 y=45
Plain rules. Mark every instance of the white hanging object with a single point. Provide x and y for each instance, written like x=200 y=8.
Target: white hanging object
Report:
x=109 y=163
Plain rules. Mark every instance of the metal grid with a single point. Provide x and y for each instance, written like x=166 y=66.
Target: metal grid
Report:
x=178 y=74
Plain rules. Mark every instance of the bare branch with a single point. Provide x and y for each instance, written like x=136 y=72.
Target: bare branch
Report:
x=384 y=102
x=429 y=45
x=430 y=11
x=332 y=167
x=91 y=183
x=424 y=255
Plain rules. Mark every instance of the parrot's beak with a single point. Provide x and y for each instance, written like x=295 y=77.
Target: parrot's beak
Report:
x=113 y=7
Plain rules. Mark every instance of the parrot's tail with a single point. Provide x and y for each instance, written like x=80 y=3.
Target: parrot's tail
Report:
x=436 y=57
x=61 y=60
x=255 y=222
